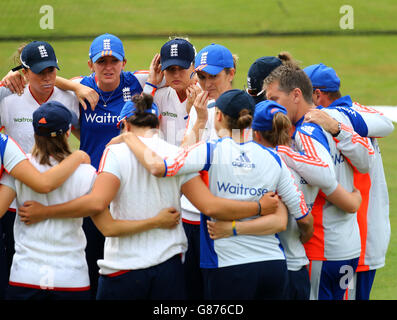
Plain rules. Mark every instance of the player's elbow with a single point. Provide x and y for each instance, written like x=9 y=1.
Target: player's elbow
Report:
x=157 y=170
x=211 y=208
x=283 y=225
x=209 y=212
x=44 y=187
x=97 y=206
x=107 y=231
x=282 y=214
x=352 y=208
x=306 y=228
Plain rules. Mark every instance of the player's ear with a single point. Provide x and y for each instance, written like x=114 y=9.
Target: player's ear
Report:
x=90 y=65
x=257 y=136
x=126 y=125
x=297 y=94
x=230 y=74
x=124 y=63
x=218 y=115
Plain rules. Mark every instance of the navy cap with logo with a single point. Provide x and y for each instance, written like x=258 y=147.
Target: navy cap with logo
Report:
x=264 y=113
x=259 y=70
x=323 y=77
x=38 y=55
x=52 y=119
x=233 y=101
x=177 y=52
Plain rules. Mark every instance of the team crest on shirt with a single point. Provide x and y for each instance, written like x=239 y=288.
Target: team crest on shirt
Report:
x=242 y=161
x=126 y=94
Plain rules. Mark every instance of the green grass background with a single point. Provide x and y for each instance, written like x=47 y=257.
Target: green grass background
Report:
x=366 y=64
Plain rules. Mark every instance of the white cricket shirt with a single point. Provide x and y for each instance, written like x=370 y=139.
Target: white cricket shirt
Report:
x=141 y=196
x=50 y=254
x=241 y=172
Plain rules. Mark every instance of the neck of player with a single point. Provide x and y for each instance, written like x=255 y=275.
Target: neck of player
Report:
x=39 y=96
x=237 y=135
x=108 y=87
x=146 y=132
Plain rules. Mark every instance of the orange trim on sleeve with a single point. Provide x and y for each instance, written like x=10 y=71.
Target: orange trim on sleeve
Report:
x=103 y=159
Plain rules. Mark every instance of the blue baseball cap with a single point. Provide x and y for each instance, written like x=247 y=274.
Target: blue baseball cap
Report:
x=129 y=110
x=213 y=59
x=264 y=113
x=177 y=52
x=233 y=101
x=38 y=55
x=323 y=77
x=106 y=45
x=52 y=119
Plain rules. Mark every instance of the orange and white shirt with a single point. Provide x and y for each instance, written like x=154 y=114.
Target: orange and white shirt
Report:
x=373 y=215
x=336 y=233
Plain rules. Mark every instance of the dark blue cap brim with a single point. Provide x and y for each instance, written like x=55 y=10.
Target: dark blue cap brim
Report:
x=175 y=62
x=38 y=67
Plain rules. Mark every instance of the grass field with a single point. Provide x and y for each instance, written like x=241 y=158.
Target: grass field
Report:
x=366 y=64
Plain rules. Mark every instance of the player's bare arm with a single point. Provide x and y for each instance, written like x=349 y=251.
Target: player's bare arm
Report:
x=51 y=179
x=15 y=81
x=83 y=93
x=269 y=224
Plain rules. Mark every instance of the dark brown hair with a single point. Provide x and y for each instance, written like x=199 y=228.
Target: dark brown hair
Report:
x=47 y=147
x=280 y=133
x=243 y=121
x=141 y=118
x=287 y=59
x=333 y=95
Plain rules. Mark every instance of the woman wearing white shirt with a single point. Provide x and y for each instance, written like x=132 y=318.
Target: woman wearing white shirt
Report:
x=240 y=267
x=144 y=263
x=49 y=260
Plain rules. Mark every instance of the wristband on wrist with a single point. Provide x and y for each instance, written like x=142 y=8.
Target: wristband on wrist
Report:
x=234 y=227
x=259 y=207
x=150 y=84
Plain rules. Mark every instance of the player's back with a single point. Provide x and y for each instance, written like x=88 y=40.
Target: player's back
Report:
x=336 y=234
x=56 y=243
x=245 y=172
x=140 y=196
